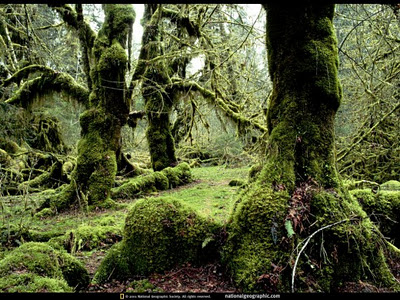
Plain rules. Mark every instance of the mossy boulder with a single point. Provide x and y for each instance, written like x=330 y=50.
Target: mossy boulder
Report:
x=159 y=234
x=48 y=269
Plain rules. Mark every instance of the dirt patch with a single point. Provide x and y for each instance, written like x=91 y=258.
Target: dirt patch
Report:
x=205 y=279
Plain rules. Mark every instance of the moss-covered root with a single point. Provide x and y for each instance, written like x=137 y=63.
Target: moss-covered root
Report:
x=383 y=208
x=87 y=238
x=255 y=236
x=157 y=181
x=37 y=267
x=158 y=235
x=267 y=231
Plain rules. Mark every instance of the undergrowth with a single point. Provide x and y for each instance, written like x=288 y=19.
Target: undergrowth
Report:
x=209 y=194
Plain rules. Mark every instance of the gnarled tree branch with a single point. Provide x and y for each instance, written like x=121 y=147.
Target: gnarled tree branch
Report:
x=48 y=80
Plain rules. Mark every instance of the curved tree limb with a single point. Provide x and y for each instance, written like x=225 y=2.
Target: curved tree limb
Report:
x=74 y=18
x=24 y=73
x=49 y=80
x=222 y=104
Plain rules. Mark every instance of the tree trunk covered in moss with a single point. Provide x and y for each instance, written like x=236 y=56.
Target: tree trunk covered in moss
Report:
x=158 y=103
x=99 y=148
x=298 y=191
x=101 y=125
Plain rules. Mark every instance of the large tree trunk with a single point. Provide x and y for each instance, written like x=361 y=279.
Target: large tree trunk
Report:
x=157 y=97
x=100 y=143
x=298 y=191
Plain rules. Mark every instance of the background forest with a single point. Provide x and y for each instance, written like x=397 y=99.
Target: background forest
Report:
x=192 y=88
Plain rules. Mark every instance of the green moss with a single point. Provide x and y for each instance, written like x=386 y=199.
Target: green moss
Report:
x=298 y=191
x=111 y=59
x=254 y=171
x=86 y=237
x=42 y=260
x=237 y=182
x=158 y=235
x=33 y=283
x=391 y=185
x=178 y=175
x=118 y=20
x=161 y=142
x=115 y=264
x=384 y=210
x=354 y=243
x=73 y=271
x=13 y=235
x=9 y=146
x=255 y=231
x=5 y=159
x=47 y=179
x=96 y=162
x=156 y=181
x=44 y=213
x=142 y=286
x=52 y=81
x=259 y=241
x=32 y=257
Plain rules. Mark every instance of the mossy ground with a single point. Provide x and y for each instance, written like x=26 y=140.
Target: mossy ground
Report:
x=89 y=235
x=94 y=232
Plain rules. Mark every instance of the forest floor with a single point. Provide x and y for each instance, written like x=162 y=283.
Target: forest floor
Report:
x=210 y=194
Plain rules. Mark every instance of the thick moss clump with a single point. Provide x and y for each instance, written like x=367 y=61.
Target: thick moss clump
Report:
x=33 y=283
x=86 y=238
x=391 y=185
x=384 y=210
x=255 y=235
x=115 y=265
x=47 y=269
x=157 y=181
x=158 y=235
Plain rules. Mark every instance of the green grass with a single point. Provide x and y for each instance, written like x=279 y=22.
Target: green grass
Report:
x=209 y=194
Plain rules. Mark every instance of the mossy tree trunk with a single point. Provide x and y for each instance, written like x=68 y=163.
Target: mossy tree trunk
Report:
x=100 y=144
x=298 y=192
x=156 y=94
x=101 y=125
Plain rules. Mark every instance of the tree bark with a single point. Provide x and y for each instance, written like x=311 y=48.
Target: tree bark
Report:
x=158 y=99
x=99 y=148
x=298 y=193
